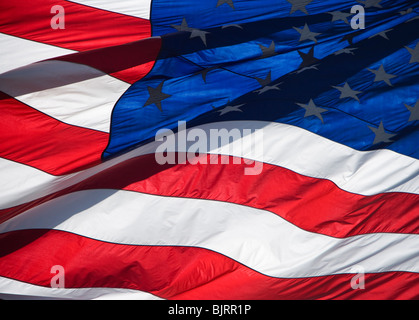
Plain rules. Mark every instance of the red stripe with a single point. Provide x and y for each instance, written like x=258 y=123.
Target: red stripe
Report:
x=315 y=205
x=86 y=28
x=175 y=272
x=129 y=62
x=35 y=139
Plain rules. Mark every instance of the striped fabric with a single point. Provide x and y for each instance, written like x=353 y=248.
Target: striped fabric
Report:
x=337 y=196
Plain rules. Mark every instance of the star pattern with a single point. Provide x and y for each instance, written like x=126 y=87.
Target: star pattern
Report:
x=414 y=53
x=267 y=51
x=382 y=34
x=381 y=136
x=308 y=58
x=194 y=32
x=382 y=75
x=268 y=88
x=404 y=12
x=205 y=72
x=312 y=110
x=306 y=34
x=156 y=96
x=414 y=111
x=266 y=81
x=299 y=5
x=345 y=51
x=229 y=2
x=312 y=67
x=183 y=27
x=309 y=61
x=265 y=84
x=228 y=109
x=347 y=92
x=350 y=37
x=339 y=15
x=201 y=34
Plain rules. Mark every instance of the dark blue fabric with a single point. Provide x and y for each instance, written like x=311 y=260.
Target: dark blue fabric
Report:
x=199 y=74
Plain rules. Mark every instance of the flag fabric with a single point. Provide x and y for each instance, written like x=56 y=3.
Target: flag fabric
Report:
x=88 y=212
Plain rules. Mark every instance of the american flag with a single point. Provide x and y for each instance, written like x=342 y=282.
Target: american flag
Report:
x=86 y=211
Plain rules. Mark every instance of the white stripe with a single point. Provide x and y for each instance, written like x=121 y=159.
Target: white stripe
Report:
x=16 y=290
x=20 y=182
x=259 y=239
x=16 y=52
x=136 y=8
x=73 y=93
x=366 y=173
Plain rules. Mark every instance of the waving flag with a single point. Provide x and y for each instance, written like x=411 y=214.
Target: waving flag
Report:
x=87 y=211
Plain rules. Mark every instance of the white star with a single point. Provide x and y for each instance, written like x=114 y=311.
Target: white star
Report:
x=382 y=75
x=410 y=10
x=306 y=34
x=267 y=51
x=312 y=110
x=308 y=58
x=156 y=96
x=381 y=135
x=199 y=33
x=345 y=50
x=382 y=34
x=229 y=2
x=414 y=53
x=347 y=92
x=266 y=81
x=339 y=15
x=228 y=109
x=194 y=32
x=313 y=67
x=414 y=111
x=299 y=5
x=268 y=88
